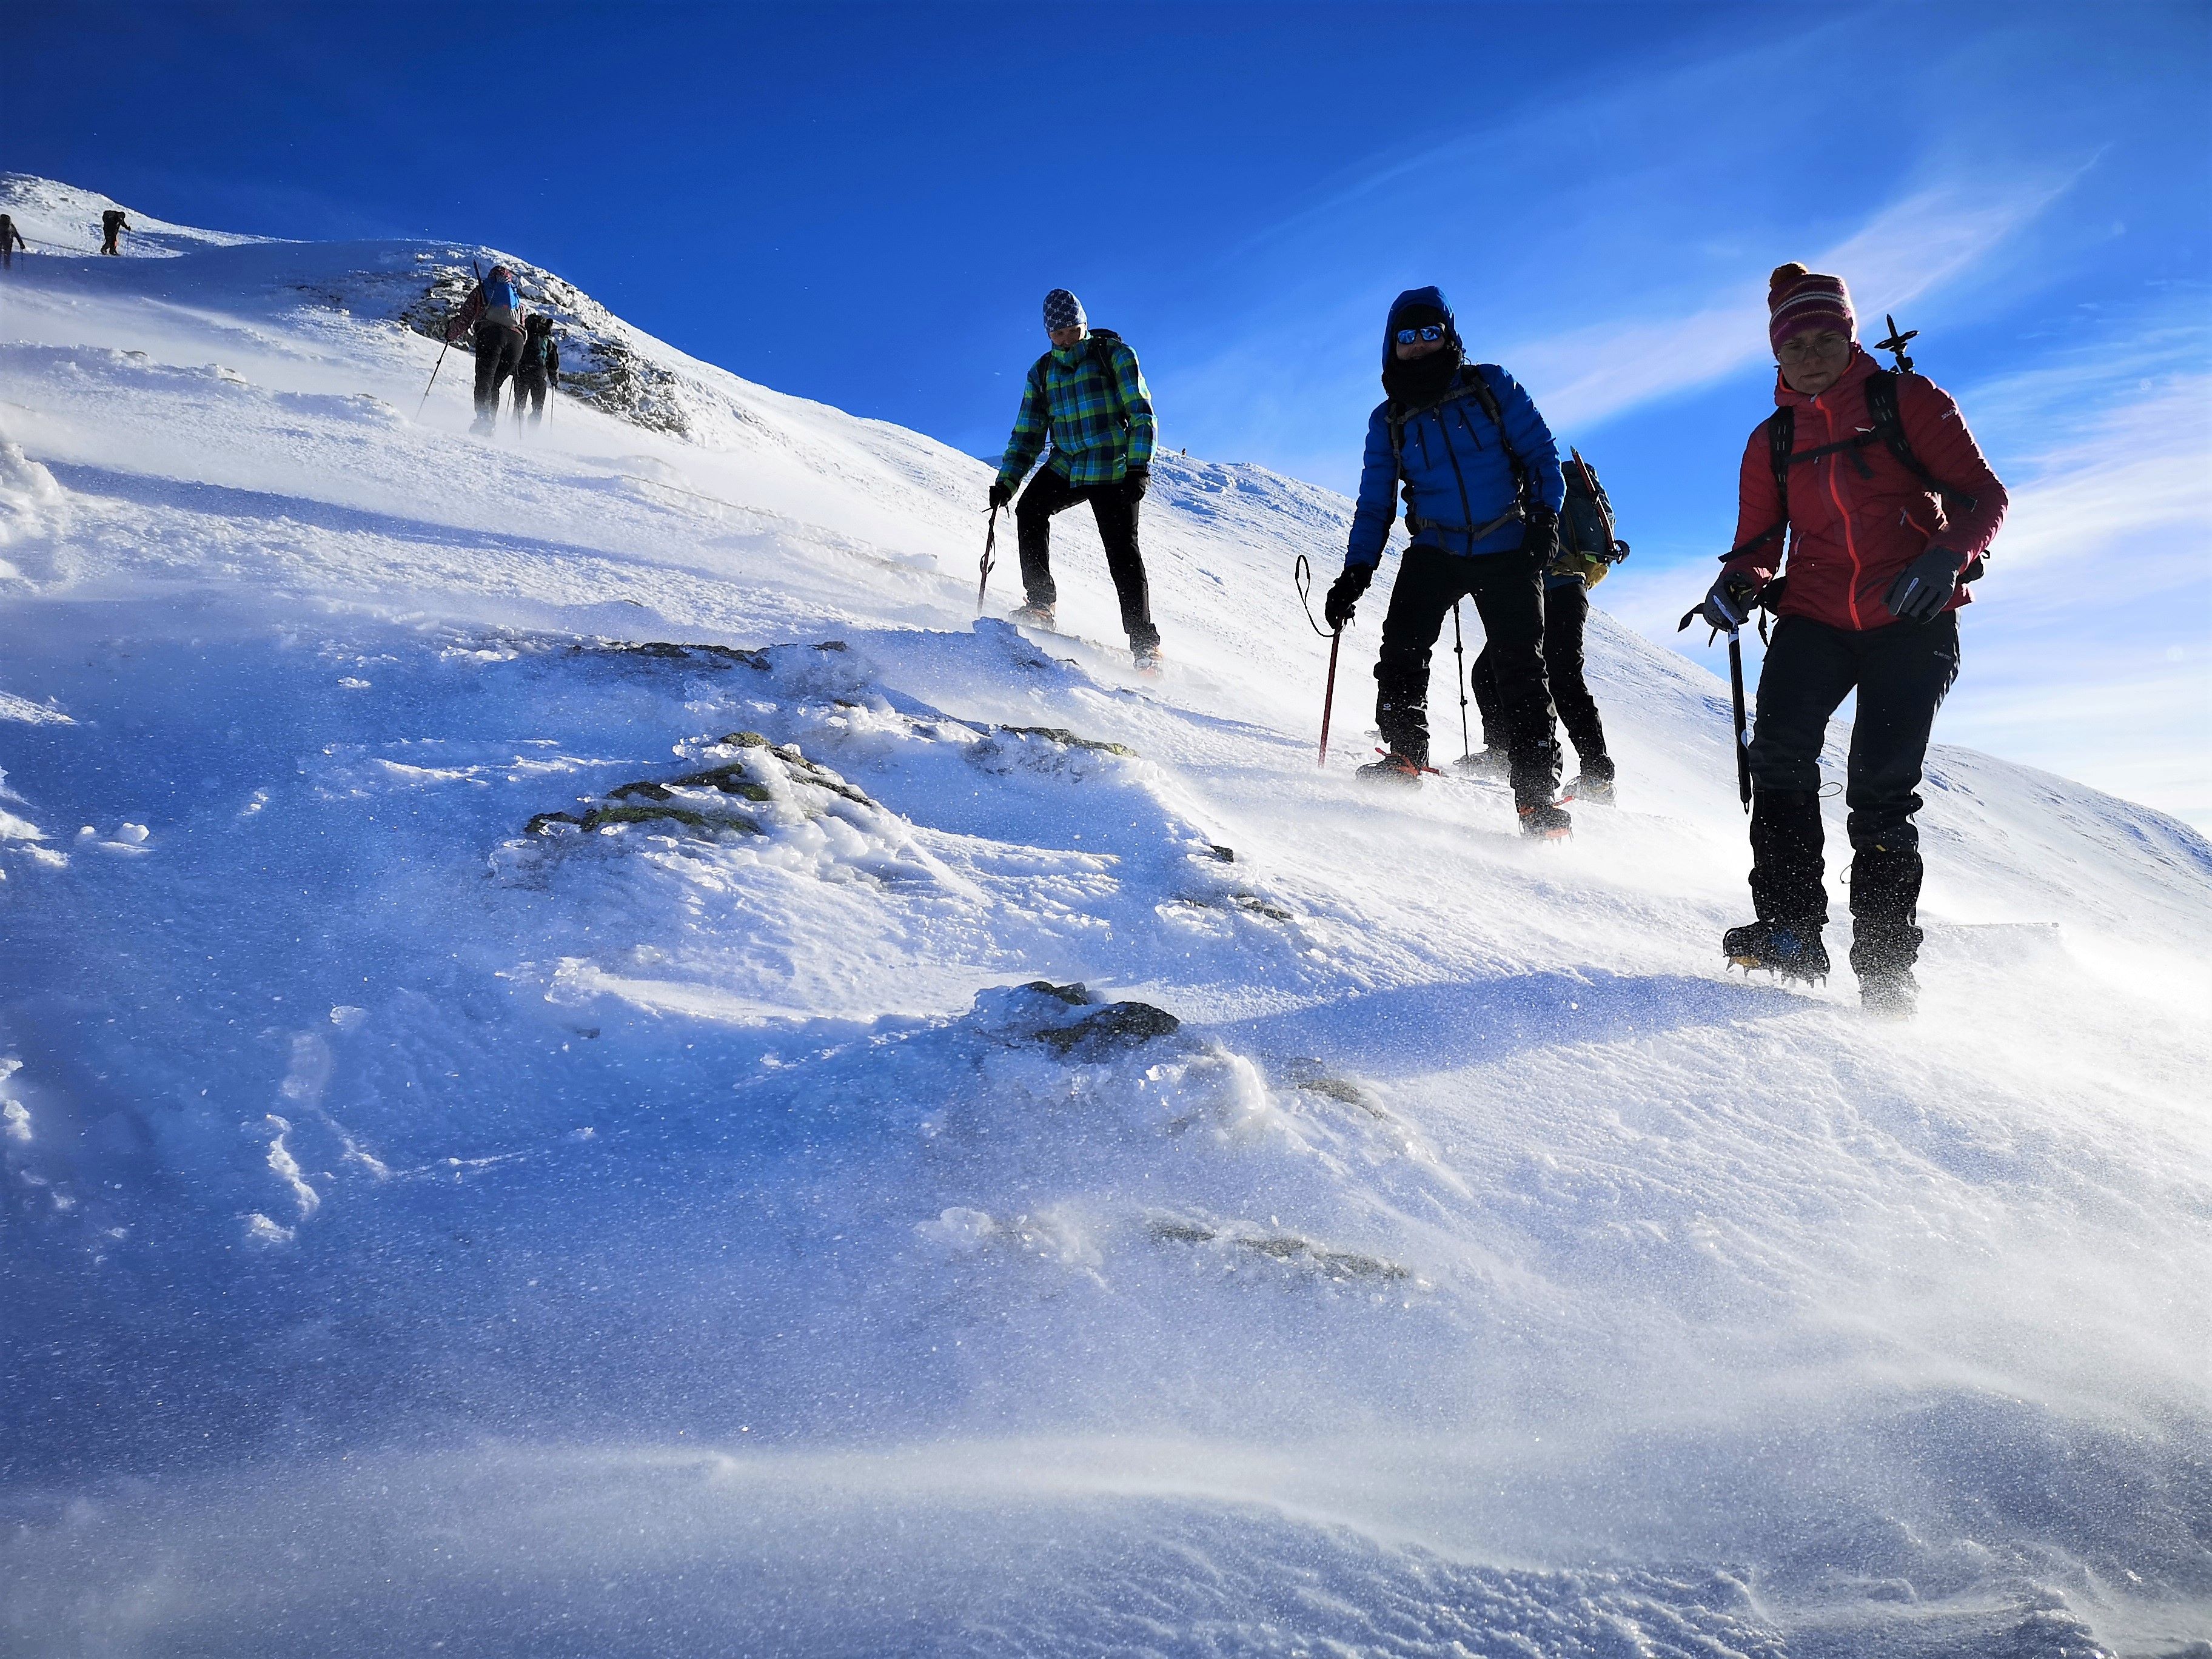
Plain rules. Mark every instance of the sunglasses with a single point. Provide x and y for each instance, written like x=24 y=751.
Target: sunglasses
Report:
x=1425 y=331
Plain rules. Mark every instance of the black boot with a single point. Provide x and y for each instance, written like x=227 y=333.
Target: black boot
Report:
x=1594 y=785
x=1786 y=952
x=1885 y=942
x=1786 y=891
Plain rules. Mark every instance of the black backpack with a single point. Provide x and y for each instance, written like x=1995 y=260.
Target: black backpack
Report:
x=1888 y=431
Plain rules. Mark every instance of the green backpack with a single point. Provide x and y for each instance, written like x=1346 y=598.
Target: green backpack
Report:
x=1587 y=547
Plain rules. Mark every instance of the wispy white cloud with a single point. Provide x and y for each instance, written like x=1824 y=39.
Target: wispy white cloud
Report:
x=1907 y=249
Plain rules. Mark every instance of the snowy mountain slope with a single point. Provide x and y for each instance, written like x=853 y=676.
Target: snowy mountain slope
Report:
x=684 y=1218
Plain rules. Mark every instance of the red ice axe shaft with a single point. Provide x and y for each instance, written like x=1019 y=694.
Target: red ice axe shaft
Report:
x=1328 y=697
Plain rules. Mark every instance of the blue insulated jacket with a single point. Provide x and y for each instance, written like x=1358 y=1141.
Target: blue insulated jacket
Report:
x=1457 y=473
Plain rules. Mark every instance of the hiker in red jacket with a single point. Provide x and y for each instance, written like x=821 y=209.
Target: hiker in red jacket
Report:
x=1889 y=509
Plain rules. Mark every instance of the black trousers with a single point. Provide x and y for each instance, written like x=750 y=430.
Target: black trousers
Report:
x=1116 y=515
x=530 y=391
x=1508 y=598
x=1566 y=608
x=1901 y=674
x=499 y=354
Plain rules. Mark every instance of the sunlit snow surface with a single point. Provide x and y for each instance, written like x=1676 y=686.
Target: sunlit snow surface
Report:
x=683 y=1235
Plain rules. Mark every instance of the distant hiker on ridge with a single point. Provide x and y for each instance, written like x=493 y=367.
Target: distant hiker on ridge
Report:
x=1089 y=396
x=11 y=239
x=1588 y=549
x=1483 y=489
x=539 y=371
x=495 y=309
x=112 y=222
x=1889 y=508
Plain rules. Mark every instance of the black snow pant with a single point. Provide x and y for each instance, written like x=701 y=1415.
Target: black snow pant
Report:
x=1901 y=674
x=1116 y=514
x=1509 y=598
x=1566 y=608
x=529 y=394
x=499 y=354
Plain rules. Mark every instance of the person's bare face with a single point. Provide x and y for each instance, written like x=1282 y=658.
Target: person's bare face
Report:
x=1814 y=360
x=1064 y=337
x=1409 y=349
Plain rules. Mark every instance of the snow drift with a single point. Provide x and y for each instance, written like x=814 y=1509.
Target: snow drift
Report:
x=591 y=1064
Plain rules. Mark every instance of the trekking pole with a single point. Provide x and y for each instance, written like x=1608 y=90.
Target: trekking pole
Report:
x=1735 y=702
x=434 y=368
x=988 y=564
x=1459 y=650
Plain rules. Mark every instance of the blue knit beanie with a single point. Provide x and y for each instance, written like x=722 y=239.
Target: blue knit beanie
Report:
x=1062 y=310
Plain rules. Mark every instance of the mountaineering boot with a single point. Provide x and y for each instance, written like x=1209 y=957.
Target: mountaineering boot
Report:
x=1784 y=952
x=1393 y=768
x=1490 y=763
x=1545 y=822
x=1594 y=785
x=1885 y=942
x=1033 y=615
x=1147 y=657
x=482 y=425
x=1894 y=994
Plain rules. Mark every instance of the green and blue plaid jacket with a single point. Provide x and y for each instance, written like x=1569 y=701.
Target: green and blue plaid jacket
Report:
x=1067 y=397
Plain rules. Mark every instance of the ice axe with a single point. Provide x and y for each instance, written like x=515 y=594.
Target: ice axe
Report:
x=1896 y=342
x=1736 y=696
x=1301 y=578
x=989 y=562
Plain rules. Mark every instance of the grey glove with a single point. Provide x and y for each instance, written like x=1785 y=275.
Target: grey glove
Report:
x=1344 y=594
x=1728 y=601
x=1923 y=588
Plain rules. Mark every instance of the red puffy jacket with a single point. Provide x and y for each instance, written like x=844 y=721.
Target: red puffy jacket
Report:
x=1857 y=516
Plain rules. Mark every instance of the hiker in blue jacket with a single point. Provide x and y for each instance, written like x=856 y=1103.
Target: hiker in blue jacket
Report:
x=1482 y=489
x=494 y=310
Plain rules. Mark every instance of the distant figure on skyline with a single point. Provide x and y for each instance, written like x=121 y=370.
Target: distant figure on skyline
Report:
x=493 y=309
x=11 y=239
x=111 y=224
x=539 y=371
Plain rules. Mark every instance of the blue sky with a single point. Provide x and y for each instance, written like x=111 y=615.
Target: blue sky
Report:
x=864 y=205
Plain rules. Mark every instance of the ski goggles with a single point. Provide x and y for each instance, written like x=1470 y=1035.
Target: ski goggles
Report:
x=1428 y=331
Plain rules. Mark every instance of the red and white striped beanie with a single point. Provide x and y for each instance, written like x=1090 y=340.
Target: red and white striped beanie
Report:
x=1798 y=300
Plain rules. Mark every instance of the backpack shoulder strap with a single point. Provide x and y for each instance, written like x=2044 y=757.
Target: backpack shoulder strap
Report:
x=1889 y=426
x=1781 y=445
x=1101 y=343
x=1488 y=398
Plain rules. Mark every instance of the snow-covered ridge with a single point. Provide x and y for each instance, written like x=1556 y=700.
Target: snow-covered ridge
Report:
x=574 y=1021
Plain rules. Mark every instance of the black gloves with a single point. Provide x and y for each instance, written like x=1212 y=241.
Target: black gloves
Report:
x=1540 y=539
x=1140 y=480
x=1923 y=588
x=1344 y=594
x=1000 y=493
x=1728 y=601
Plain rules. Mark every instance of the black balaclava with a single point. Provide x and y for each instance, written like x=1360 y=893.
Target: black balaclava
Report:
x=1420 y=380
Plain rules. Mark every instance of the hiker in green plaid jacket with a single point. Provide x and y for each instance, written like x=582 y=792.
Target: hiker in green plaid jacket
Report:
x=1088 y=395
